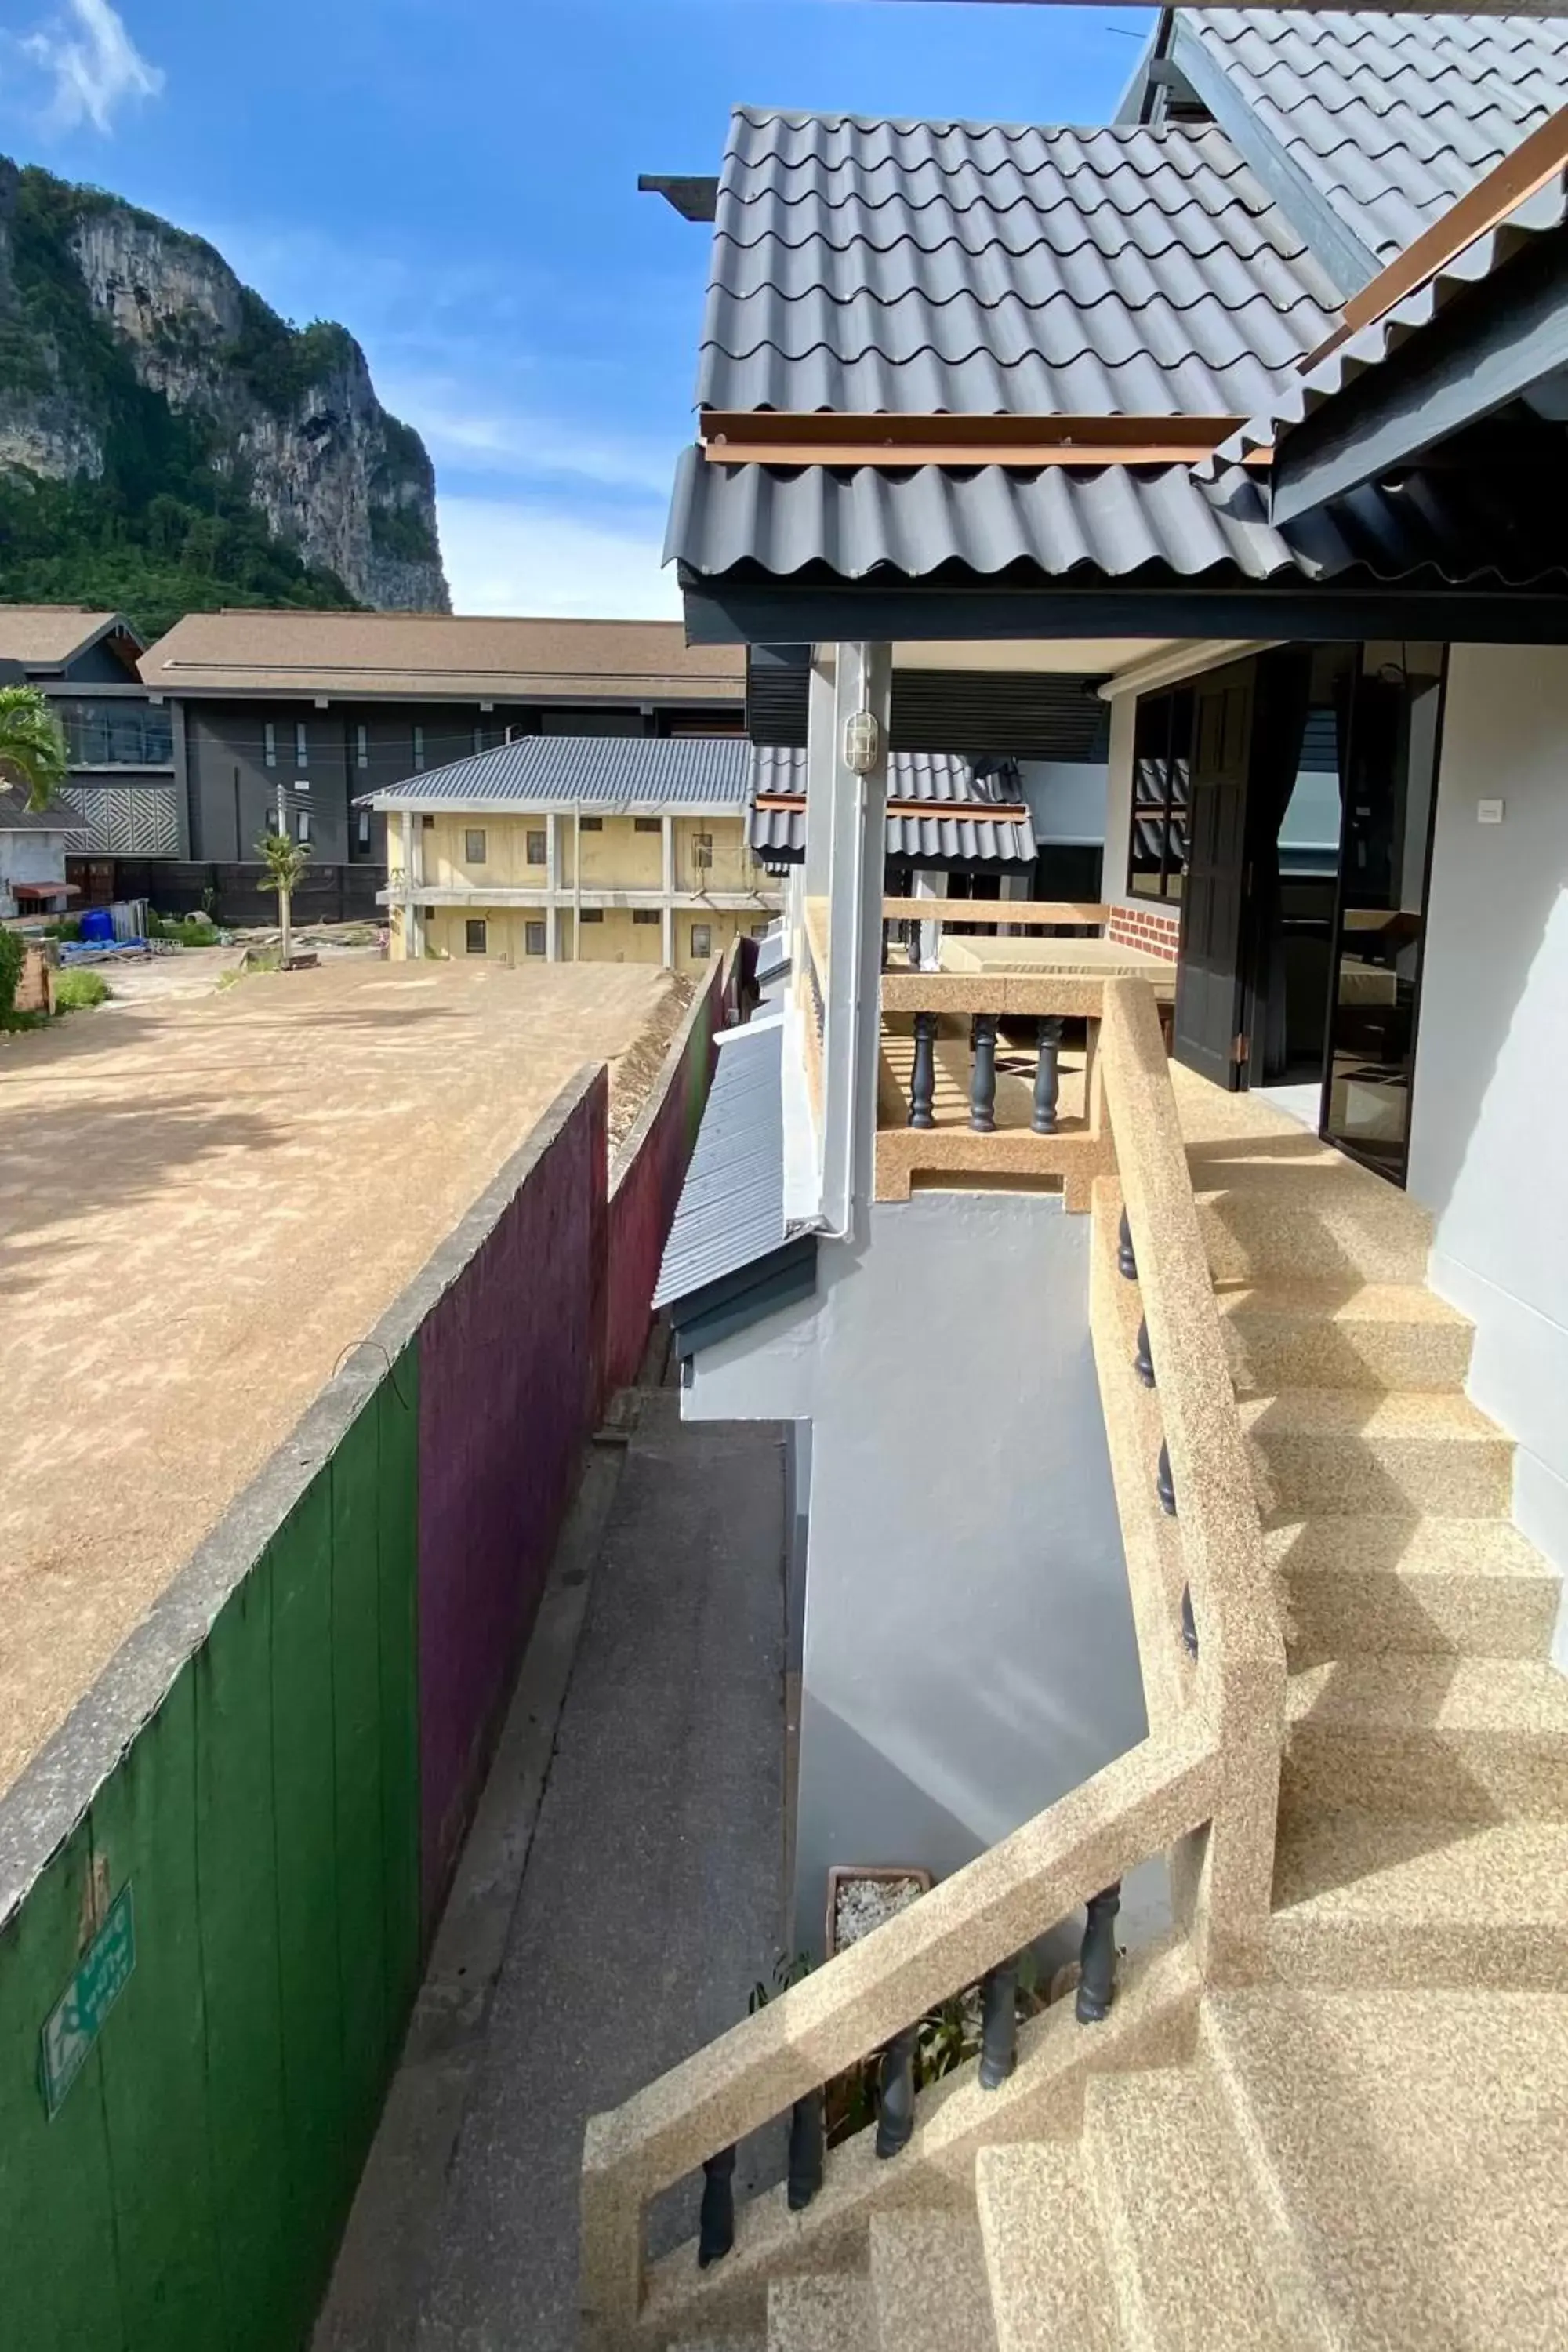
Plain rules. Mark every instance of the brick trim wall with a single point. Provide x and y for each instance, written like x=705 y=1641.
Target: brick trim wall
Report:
x=1146 y=928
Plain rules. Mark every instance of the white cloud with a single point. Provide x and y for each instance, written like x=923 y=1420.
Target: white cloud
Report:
x=494 y=439
x=96 y=66
x=503 y=556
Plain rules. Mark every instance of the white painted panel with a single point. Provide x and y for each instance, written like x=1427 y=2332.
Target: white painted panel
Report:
x=1489 y=1118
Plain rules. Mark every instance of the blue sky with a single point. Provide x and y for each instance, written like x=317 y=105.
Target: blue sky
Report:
x=455 y=180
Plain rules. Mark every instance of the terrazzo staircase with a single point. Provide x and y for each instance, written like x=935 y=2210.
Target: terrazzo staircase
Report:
x=1371 y=2149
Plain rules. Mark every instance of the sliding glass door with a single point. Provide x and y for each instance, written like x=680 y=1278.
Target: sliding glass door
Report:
x=1388 y=722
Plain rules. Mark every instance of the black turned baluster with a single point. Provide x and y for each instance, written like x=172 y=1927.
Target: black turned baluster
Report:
x=806 y=2151
x=1097 y=1958
x=912 y=946
x=895 y=2094
x=1164 y=1484
x=1126 y=1263
x=716 y=2222
x=982 y=1084
x=999 y=2025
x=922 y=1077
x=1047 y=1074
x=1143 y=1361
x=1189 y=1623
x=886 y=937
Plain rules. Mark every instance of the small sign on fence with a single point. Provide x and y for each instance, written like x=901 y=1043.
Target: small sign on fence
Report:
x=76 y=2021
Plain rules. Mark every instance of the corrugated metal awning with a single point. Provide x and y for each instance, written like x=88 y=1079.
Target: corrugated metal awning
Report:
x=729 y=1258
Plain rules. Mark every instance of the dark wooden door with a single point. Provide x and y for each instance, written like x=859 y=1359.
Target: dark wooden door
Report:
x=1211 y=980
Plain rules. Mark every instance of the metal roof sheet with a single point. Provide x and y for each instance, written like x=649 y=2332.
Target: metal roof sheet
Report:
x=596 y=772
x=1313 y=388
x=1390 y=118
x=916 y=266
x=731 y=1211
x=957 y=832
x=1164 y=524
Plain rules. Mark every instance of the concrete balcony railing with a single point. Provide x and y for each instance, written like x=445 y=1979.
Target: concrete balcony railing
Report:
x=1202 y=1788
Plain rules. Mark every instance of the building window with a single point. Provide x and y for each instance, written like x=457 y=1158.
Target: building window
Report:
x=301 y=744
x=646 y=915
x=1161 y=774
x=362 y=746
x=428 y=822
x=533 y=938
x=478 y=739
x=538 y=848
x=703 y=851
x=647 y=825
x=591 y=914
x=476 y=932
x=114 y=734
x=474 y=846
x=270 y=744
x=418 y=747
x=701 y=940
x=362 y=828
x=591 y=824
x=302 y=825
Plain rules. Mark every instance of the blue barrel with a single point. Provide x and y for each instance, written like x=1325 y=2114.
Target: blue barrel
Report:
x=97 y=924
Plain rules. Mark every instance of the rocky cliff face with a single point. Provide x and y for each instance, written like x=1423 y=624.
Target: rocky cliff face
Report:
x=288 y=419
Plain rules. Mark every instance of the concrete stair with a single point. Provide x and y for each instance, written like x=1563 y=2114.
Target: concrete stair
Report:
x=1383 y=1580
x=1463 y=1740
x=1371 y=2147
x=1330 y=1452
x=1378 y=1335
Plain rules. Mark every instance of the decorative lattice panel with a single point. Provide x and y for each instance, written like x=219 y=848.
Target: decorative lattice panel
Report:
x=126 y=820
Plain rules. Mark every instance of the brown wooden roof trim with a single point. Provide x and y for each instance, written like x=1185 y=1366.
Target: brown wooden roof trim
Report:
x=1520 y=175
x=771 y=436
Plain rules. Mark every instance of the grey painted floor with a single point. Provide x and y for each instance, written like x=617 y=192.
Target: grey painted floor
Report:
x=651 y=1900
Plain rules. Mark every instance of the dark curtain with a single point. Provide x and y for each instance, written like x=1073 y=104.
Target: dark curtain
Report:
x=1278 y=731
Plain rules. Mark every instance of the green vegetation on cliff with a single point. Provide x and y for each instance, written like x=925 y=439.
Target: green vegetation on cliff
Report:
x=169 y=525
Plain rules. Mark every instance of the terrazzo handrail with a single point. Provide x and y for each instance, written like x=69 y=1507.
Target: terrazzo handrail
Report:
x=1214 y=1766
x=1240 y=1677
x=968 y=1925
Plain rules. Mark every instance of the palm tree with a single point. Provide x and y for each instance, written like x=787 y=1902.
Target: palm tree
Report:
x=32 y=744
x=285 y=861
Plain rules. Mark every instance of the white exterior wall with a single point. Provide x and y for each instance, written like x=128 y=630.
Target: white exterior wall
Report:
x=1489 y=1150
x=30 y=857
x=969 y=1655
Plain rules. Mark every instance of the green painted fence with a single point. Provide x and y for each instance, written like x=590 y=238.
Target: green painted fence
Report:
x=192 y=2188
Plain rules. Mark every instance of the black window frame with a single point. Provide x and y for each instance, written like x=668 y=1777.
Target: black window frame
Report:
x=699 y=954
x=647 y=825
x=472 y=857
x=541 y=835
x=472 y=923
x=646 y=915
x=531 y=932
x=1160 y=794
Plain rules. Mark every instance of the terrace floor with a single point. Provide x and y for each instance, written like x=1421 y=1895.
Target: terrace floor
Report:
x=204 y=1204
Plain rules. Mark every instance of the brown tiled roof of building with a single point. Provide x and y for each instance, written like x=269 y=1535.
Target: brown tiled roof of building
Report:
x=46 y=636
x=352 y=655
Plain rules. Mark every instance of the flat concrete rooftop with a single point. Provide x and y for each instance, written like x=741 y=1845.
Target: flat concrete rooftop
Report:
x=203 y=1205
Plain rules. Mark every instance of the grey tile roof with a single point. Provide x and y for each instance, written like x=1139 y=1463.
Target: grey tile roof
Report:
x=957 y=833
x=598 y=772
x=731 y=1211
x=15 y=816
x=1163 y=525
x=917 y=266
x=1307 y=391
x=1389 y=118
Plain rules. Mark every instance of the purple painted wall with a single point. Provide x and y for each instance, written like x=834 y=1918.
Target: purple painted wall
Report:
x=511 y=1381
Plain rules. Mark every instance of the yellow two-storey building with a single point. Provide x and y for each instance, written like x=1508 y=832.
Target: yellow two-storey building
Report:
x=619 y=849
